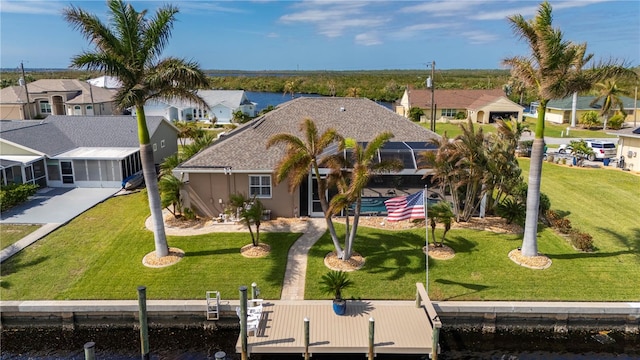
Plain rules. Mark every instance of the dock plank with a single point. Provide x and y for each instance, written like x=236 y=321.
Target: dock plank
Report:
x=400 y=328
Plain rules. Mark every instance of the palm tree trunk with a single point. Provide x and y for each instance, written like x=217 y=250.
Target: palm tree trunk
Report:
x=348 y=246
x=325 y=209
x=151 y=183
x=530 y=241
x=606 y=118
x=153 y=193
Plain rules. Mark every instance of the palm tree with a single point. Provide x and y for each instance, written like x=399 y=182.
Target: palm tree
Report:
x=129 y=47
x=250 y=213
x=170 y=187
x=553 y=70
x=361 y=167
x=440 y=212
x=442 y=162
x=609 y=93
x=301 y=156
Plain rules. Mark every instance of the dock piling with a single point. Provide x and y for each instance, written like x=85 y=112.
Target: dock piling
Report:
x=243 y=321
x=306 y=339
x=90 y=351
x=372 y=324
x=144 y=329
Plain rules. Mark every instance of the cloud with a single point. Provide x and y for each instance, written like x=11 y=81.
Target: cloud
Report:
x=273 y=35
x=441 y=8
x=202 y=6
x=335 y=18
x=367 y=39
x=31 y=7
x=479 y=37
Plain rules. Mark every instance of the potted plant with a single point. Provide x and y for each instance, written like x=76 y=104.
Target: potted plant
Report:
x=333 y=283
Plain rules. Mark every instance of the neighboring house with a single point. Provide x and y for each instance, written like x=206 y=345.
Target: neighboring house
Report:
x=629 y=148
x=481 y=106
x=55 y=97
x=221 y=106
x=240 y=162
x=78 y=151
x=559 y=111
x=107 y=82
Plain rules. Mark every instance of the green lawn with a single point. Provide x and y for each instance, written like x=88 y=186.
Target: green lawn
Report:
x=10 y=233
x=99 y=256
x=550 y=130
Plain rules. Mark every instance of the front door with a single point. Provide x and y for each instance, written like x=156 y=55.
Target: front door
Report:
x=315 y=208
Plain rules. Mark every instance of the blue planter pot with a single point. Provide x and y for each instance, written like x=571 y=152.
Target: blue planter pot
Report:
x=340 y=307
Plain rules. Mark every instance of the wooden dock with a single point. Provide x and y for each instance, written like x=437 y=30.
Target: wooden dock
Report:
x=400 y=328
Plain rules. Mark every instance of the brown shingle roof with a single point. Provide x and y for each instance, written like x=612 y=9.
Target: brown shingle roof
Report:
x=450 y=99
x=358 y=118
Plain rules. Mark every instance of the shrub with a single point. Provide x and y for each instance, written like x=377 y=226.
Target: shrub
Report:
x=415 y=113
x=616 y=121
x=188 y=214
x=14 y=194
x=512 y=210
x=561 y=224
x=590 y=119
x=581 y=240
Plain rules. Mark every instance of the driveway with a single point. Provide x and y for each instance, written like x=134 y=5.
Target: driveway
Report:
x=56 y=205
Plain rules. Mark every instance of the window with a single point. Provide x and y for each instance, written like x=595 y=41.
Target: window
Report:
x=449 y=112
x=155 y=147
x=162 y=143
x=260 y=186
x=45 y=107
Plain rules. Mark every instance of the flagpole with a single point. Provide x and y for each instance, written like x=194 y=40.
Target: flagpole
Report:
x=426 y=233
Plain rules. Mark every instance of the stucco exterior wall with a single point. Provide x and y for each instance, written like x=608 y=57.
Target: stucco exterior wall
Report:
x=213 y=192
x=629 y=146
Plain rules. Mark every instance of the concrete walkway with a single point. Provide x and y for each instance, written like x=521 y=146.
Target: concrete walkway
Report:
x=14 y=248
x=296 y=270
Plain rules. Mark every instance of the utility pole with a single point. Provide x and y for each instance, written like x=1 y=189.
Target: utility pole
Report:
x=26 y=90
x=430 y=84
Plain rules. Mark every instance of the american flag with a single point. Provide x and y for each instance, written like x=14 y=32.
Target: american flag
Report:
x=405 y=207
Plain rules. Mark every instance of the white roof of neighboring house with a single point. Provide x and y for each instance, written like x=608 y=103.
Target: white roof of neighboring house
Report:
x=229 y=98
x=109 y=82
x=98 y=153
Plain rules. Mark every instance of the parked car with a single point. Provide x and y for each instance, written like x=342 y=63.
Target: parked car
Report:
x=602 y=149
x=565 y=149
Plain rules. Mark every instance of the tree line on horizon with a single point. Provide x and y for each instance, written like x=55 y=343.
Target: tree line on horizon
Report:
x=378 y=85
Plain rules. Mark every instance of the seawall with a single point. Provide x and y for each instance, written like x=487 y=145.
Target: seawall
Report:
x=486 y=316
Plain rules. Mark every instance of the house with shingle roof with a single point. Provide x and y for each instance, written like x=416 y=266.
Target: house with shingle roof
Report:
x=240 y=162
x=559 y=110
x=55 y=97
x=79 y=151
x=479 y=105
x=221 y=104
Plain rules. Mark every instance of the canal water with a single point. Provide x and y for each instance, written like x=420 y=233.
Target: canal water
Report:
x=193 y=344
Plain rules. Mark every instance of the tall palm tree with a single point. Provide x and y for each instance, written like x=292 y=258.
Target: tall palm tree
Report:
x=129 y=48
x=609 y=93
x=360 y=168
x=553 y=70
x=303 y=155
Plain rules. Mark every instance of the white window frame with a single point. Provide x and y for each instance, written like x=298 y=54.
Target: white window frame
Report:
x=45 y=107
x=449 y=112
x=162 y=144
x=261 y=186
x=155 y=147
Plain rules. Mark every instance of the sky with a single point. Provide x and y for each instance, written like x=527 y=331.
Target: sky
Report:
x=330 y=35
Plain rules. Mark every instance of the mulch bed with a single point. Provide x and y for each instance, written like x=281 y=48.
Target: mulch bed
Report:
x=354 y=263
x=259 y=251
x=151 y=260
